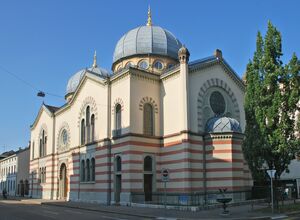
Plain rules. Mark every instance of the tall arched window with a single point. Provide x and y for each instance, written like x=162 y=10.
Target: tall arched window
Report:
x=88 y=173
x=43 y=144
x=148 y=119
x=118 y=164
x=88 y=128
x=148 y=163
x=93 y=169
x=93 y=127
x=82 y=132
x=118 y=119
x=41 y=147
x=82 y=173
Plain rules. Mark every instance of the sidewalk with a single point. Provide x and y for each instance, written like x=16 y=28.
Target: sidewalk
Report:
x=238 y=212
x=242 y=212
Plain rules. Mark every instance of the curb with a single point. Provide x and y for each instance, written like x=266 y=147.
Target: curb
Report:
x=293 y=213
x=100 y=210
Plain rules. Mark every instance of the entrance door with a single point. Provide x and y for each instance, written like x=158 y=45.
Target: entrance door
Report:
x=148 y=187
x=118 y=188
x=63 y=182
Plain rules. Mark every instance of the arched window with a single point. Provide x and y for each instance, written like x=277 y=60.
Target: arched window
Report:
x=88 y=128
x=93 y=169
x=93 y=127
x=82 y=173
x=118 y=119
x=143 y=64
x=148 y=119
x=43 y=143
x=148 y=163
x=82 y=134
x=88 y=173
x=41 y=147
x=118 y=164
x=158 y=65
x=45 y=146
x=32 y=150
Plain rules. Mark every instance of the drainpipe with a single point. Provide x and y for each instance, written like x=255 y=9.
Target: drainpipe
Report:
x=204 y=172
x=53 y=150
x=109 y=139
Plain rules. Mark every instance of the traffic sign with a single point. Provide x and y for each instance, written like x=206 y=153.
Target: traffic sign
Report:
x=165 y=175
x=271 y=173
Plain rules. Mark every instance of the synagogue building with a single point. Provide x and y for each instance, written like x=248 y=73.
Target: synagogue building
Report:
x=154 y=110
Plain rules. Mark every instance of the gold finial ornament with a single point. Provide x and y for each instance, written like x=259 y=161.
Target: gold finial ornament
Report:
x=149 y=22
x=95 y=60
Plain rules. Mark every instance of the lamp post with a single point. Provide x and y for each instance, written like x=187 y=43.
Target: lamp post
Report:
x=271 y=174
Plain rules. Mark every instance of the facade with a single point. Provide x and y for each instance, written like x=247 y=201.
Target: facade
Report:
x=14 y=173
x=156 y=110
x=8 y=174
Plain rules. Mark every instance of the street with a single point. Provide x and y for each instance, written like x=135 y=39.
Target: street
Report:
x=16 y=210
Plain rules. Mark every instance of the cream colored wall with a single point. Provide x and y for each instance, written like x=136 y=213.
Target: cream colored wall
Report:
x=45 y=121
x=120 y=93
x=92 y=94
x=170 y=104
x=23 y=165
x=197 y=79
x=140 y=88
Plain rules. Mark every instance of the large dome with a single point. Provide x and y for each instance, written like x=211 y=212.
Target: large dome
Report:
x=76 y=78
x=147 y=40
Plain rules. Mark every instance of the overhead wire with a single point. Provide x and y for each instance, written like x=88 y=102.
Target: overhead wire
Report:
x=35 y=88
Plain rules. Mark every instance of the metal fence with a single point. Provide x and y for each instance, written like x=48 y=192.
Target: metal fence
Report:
x=189 y=199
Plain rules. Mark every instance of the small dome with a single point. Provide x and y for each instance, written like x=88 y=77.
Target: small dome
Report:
x=147 y=40
x=222 y=124
x=76 y=78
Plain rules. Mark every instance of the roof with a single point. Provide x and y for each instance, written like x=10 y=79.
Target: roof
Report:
x=207 y=61
x=51 y=108
x=147 y=40
x=222 y=124
x=77 y=77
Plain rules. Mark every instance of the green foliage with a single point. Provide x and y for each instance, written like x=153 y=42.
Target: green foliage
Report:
x=271 y=103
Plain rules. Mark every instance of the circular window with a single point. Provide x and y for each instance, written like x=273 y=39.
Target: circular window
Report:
x=158 y=65
x=217 y=103
x=129 y=64
x=170 y=65
x=144 y=64
x=64 y=137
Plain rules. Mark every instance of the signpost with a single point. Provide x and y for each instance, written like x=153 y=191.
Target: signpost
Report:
x=271 y=174
x=165 y=177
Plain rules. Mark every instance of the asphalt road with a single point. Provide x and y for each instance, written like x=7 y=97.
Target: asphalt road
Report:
x=16 y=210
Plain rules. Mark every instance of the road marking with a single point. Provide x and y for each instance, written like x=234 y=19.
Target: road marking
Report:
x=50 y=212
x=71 y=211
x=107 y=217
x=164 y=218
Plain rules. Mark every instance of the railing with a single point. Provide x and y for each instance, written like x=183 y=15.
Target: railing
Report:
x=188 y=199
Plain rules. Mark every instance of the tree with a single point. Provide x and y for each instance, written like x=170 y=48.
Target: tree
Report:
x=271 y=105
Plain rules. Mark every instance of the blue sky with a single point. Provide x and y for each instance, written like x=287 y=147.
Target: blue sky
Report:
x=45 y=42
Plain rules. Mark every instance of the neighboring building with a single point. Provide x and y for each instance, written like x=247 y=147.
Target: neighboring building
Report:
x=157 y=110
x=23 y=156
x=14 y=172
x=291 y=180
x=8 y=177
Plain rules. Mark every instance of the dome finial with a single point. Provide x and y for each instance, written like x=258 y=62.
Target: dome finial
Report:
x=149 y=21
x=95 y=60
